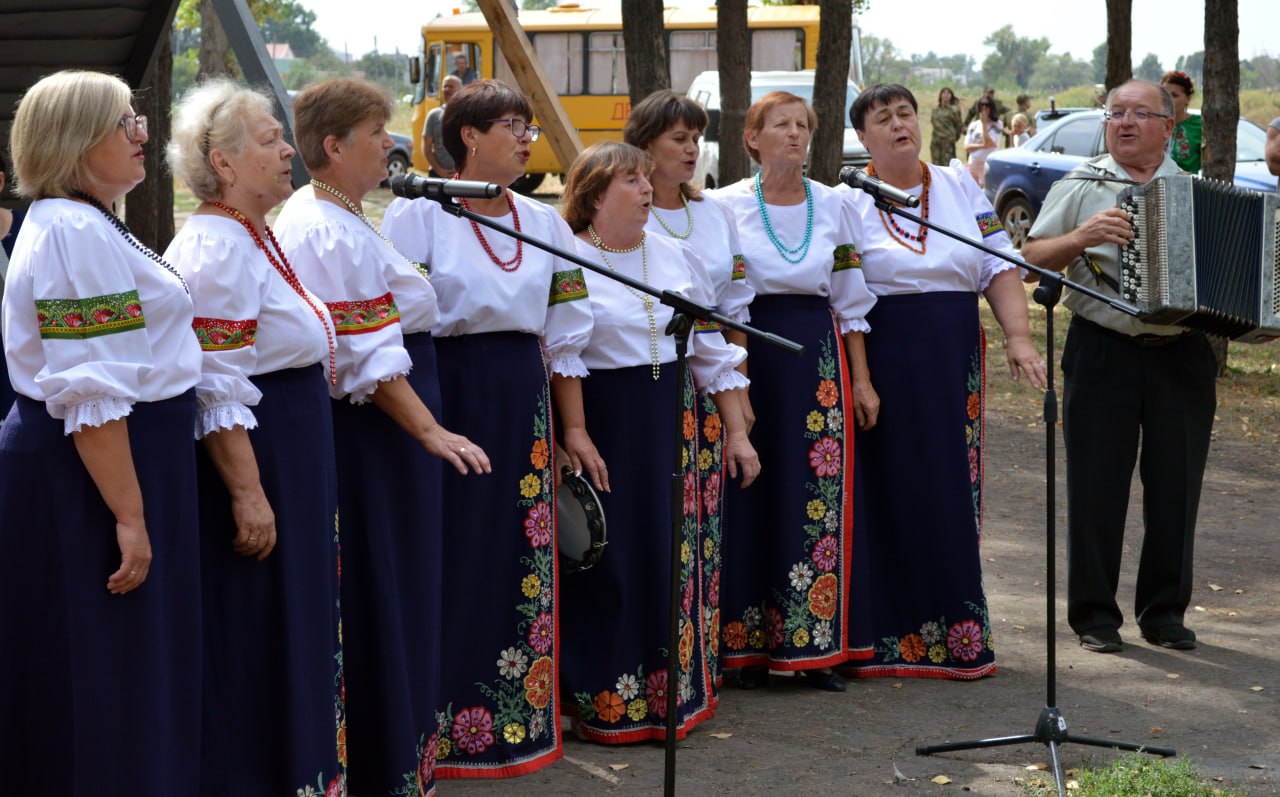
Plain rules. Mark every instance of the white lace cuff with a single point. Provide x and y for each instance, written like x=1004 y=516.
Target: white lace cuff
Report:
x=728 y=379
x=570 y=365
x=853 y=325
x=224 y=416
x=95 y=412
x=364 y=395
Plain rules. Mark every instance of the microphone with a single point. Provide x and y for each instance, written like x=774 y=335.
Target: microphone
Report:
x=411 y=186
x=856 y=178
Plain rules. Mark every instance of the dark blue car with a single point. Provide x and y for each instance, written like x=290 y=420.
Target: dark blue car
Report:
x=1018 y=178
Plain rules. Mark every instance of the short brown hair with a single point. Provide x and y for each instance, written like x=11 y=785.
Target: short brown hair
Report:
x=59 y=119
x=592 y=172
x=475 y=105
x=333 y=108
x=658 y=113
x=760 y=109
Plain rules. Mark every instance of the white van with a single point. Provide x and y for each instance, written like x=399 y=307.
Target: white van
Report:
x=705 y=90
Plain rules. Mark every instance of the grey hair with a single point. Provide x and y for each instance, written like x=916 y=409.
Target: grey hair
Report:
x=1166 y=99
x=212 y=115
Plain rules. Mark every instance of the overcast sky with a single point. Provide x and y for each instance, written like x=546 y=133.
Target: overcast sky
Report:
x=1168 y=28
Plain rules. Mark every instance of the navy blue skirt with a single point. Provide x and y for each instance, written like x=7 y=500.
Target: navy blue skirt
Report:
x=788 y=543
x=99 y=693
x=389 y=501
x=274 y=722
x=922 y=473
x=616 y=615
x=500 y=624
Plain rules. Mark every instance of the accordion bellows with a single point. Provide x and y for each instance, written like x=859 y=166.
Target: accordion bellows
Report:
x=1203 y=256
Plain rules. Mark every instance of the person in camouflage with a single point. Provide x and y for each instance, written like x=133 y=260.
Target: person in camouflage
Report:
x=947 y=128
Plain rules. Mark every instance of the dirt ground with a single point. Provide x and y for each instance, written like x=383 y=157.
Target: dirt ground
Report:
x=1217 y=704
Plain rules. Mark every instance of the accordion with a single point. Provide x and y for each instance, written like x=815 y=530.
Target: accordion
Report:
x=1203 y=256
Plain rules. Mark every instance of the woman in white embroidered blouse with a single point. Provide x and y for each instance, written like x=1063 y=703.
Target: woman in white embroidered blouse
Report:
x=788 y=566
x=268 y=492
x=387 y=400
x=922 y=463
x=101 y=623
x=632 y=364
x=509 y=312
x=668 y=126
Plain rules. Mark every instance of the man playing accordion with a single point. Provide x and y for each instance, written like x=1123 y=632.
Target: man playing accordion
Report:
x=1125 y=381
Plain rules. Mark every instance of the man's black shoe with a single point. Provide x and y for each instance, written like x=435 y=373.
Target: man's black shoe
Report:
x=1102 y=640
x=1174 y=636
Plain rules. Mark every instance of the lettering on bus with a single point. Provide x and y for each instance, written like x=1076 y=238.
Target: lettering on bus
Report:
x=621 y=110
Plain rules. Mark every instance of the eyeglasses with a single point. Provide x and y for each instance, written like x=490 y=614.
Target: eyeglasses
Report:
x=519 y=127
x=1115 y=117
x=133 y=125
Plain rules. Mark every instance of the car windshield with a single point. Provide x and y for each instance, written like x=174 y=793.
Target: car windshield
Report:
x=1251 y=142
x=806 y=92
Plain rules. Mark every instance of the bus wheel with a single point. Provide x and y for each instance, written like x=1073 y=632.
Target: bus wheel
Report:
x=527 y=184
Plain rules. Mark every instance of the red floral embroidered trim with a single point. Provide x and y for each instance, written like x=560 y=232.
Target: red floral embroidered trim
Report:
x=221 y=334
x=361 y=316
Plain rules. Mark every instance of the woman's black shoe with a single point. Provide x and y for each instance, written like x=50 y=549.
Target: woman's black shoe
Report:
x=826 y=681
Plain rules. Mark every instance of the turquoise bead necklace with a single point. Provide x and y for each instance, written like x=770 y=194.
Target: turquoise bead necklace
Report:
x=789 y=254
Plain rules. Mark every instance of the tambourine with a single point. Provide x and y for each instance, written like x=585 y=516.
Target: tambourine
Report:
x=582 y=531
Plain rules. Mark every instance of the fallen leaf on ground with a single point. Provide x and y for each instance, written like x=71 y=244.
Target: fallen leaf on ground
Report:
x=721 y=735
x=1172 y=675
x=1215 y=588
x=942 y=780
x=1199 y=608
x=1255 y=689
x=898 y=776
x=618 y=767
x=1037 y=767
x=1157 y=729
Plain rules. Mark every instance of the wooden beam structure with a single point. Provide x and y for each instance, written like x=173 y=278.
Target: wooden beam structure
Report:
x=515 y=45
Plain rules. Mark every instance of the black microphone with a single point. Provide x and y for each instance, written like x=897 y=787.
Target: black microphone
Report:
x=856 y=178
x=411 y=186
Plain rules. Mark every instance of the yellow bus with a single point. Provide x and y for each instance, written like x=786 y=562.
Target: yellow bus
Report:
x=581 y=51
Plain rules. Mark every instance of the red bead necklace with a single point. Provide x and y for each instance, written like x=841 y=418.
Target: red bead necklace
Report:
x=922 y=232
x=286 y=271
x=507 y=265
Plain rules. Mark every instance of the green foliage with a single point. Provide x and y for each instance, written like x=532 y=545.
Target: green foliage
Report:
x=1192 y=64
x=881 y=61
x=1139 y=775
x=184 y=71
x=291 y=23
x=1057 y=72
x=1099 y=63
x=1014 y=57
x=1149 y=69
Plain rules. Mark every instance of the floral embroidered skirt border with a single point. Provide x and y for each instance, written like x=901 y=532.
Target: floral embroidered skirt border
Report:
x=788 y=544
x=616 y=615
x=922 y=475
x=499 y=623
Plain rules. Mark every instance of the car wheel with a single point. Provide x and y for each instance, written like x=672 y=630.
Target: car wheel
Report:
x=1017 y=217
x=528 y=183
x=397 y=164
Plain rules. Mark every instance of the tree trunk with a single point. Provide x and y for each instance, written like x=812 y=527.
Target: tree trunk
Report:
x=149 y=207
x=1220 y=111
x=214 y=47
x=826 y=149
x=733 y=59
x=645 y=40
x=1119 y=42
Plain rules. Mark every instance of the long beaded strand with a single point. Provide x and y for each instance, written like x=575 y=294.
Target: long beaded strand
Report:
x=789 y=254
x=128 y=236
x=351 y=206
x=643 y=297
x=922 y=232
x=505 y=265
x=286 y=271
x=688 y=214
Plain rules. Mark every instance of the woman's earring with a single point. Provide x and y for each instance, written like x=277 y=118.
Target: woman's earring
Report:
x=473 y=150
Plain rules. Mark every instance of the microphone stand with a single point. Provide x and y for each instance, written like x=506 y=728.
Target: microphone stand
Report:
x=684 y=312
x=1051 y=726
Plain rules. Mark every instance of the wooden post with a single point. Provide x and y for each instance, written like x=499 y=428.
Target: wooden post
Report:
x=518 y=50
